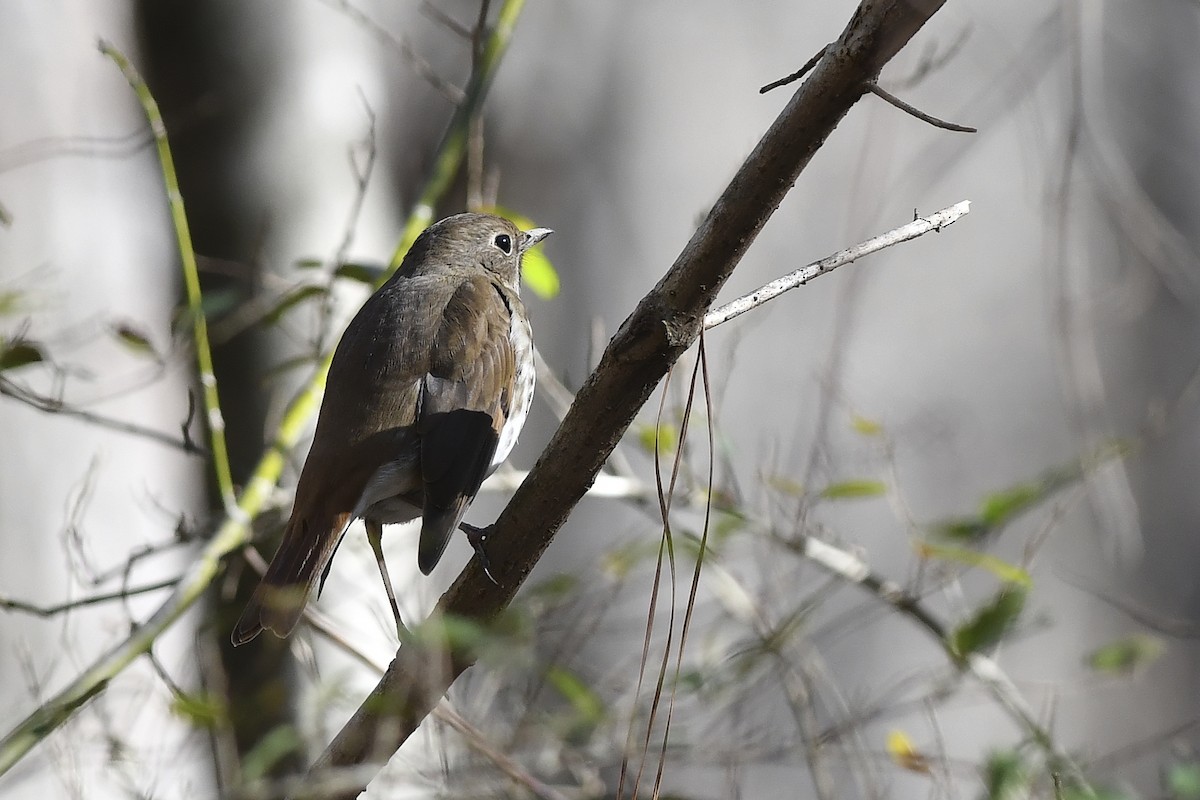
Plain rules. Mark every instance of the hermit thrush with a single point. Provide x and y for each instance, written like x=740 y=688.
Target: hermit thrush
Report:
x=427 y=392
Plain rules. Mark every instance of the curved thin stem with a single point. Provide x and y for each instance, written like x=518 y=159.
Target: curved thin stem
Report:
x=191 y=276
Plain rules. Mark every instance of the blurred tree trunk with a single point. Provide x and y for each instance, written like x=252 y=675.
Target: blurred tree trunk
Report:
x=210 y=76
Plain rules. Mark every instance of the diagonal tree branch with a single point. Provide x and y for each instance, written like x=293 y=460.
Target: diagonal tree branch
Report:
x=662 y=327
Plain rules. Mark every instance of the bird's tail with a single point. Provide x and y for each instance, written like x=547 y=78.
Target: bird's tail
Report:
x=308 y=544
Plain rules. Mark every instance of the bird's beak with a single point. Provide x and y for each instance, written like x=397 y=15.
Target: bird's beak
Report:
x=534 y=236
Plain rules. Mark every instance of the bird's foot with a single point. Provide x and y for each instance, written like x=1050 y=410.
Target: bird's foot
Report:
x=478 y=537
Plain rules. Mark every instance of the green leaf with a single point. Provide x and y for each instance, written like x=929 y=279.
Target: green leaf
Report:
x=133 y=339
x=1005 y=776
x=990 y=624
x=205 y=711
x=1124 y=656
x=851 y=489
x=363 y=273
x=19 y=353
x=279 y=743
x=1003 y=570
x=1183 y=780
x=965 y=529
x=1001 y=507
x=292 y=299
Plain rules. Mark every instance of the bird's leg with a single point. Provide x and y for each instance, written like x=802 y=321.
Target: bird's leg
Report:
x=375 y=537
x=477 y=537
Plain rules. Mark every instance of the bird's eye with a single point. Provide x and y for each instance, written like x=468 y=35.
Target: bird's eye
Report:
x=504 y=242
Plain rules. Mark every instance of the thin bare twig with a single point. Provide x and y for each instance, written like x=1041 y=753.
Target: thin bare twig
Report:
x=447 y=21
x=918 y=227
x=52 y=405
x=10 y=604
x=798 y=74
x=908 y=108
x=931 y=60
x=409 y=53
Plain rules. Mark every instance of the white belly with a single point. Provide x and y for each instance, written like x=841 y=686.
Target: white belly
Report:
x=521 y=336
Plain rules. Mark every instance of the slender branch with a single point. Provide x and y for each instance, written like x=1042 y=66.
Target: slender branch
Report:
x=918 y=227
x=984 y=669
x=662 y=327
x=908 y=108
x=52 y=405
x=798 y=74
x=191 y=276
x=234 y=530
x=10 y=604
x=404 y=47
x=445 y=20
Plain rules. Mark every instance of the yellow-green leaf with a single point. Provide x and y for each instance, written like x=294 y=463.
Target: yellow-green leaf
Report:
x=666 y=435
x=200 y=710
x=785 y=485
x=867 y=427
x=133 y=339
x=539 y=274
x=1125 y=655
x=536 y=270
x=904 y=753
x=851 y=489
x=11 y=302
x=1003 y=570
x=587 y=703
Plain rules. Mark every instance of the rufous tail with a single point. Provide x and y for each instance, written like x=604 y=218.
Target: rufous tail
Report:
x=280 y=598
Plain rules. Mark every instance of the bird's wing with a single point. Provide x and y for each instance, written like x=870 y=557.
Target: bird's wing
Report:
x=366 y=421
x=465 y=399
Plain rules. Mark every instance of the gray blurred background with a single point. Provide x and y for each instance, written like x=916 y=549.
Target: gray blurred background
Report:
x=1061 y=314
